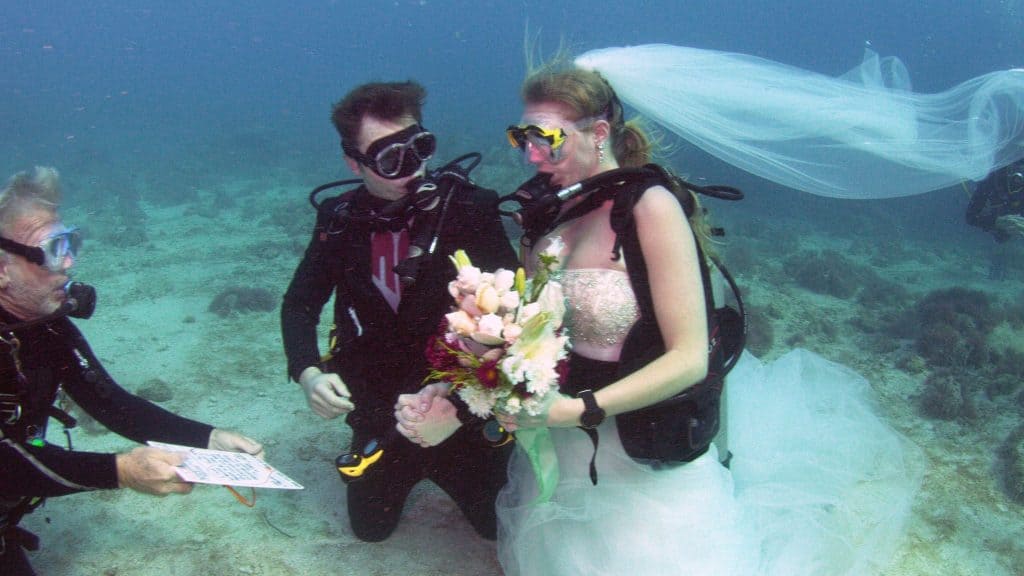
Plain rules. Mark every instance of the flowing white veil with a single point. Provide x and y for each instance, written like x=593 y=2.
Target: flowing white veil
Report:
x=863 y=135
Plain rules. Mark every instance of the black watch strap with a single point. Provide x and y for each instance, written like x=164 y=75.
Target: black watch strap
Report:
x=593 y=415
x=591 y=418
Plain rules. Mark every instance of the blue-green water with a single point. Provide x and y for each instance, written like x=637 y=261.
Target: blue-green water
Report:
x=207 y=106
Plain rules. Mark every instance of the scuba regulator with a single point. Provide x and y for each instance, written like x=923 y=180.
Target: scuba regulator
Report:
x=80 y=302
x=540 y=204
x=425 y=206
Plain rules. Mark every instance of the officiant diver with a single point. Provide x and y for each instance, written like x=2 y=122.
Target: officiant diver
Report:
x=44 y=357
x=381 y=250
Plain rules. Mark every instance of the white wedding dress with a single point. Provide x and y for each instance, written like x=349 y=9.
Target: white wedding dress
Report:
x=818 y=484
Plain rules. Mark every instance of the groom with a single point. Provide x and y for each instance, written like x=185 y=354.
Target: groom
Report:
x=383 y=319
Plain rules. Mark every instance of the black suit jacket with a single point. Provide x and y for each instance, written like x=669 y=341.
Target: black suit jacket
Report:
x=378 y=352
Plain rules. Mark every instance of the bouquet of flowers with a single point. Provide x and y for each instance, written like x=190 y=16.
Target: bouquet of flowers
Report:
x=502 y=347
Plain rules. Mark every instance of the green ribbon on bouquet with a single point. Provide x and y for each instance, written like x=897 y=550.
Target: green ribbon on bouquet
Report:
x=536 y=442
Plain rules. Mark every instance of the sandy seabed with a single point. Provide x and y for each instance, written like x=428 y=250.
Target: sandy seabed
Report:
x=152 y=323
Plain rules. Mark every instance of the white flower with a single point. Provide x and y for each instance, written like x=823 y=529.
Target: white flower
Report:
x=488 y=330
x=503 y=280
x=468 y=279
x=534 y=356
x=487 y=298
x=552 y=299
x=510 y=300
x=468 y=305
x=555 y=247
x=460 y=323
x=512 y=405
x=511 y=332
x=534 y=405
x=480 y=401
x=528 y=311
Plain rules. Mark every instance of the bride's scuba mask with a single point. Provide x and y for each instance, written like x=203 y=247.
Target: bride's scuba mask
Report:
x=548 y=141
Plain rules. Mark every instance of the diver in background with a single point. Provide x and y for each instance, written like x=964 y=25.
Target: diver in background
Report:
x=42 y=354
x=384 y=313
x=997 y=206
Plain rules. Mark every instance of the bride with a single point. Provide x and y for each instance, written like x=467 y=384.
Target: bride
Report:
x=817 y=485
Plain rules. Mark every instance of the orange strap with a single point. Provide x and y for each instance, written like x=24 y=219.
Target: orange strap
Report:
x=250 y=503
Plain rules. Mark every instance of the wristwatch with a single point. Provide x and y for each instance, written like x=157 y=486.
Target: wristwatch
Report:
x=593 y=414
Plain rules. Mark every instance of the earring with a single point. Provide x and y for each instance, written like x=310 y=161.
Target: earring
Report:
x=600 y=153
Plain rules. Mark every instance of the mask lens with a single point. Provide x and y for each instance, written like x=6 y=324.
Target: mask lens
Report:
x=59 y=246
x=548 y=142
x=516 y=136
x=392 y=163
x=389 y=160
x=543 y=144
x=424 y=145
x=1015 y=182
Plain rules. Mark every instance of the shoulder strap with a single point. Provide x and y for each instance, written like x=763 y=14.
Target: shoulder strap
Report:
x=626 y=238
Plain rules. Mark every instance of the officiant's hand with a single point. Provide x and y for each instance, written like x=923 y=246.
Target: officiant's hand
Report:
x=151 y=471
x=326 y=394
x=230 y=441
x=427 y=418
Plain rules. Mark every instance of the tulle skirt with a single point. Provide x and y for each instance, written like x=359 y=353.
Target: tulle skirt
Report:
x=818 y=485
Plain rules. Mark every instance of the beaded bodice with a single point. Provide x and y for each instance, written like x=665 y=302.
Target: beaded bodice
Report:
x=601 y=308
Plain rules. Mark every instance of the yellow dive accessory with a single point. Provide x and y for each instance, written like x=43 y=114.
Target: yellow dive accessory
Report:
x=548 y=141
x=352 y=465
x=358 y=464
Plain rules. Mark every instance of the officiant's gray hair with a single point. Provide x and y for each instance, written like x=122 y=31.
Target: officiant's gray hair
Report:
x=37 y=189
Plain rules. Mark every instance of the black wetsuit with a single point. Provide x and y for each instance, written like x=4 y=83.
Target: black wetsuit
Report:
x=999 y=194
x=53 y=357
x=379 y=353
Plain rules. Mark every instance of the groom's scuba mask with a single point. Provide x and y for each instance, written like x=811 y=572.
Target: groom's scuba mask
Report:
x=422 y=210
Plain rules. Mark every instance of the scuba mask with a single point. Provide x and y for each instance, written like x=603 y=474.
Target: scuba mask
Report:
x=51 y=252
x=1015 y=178
x=549 y=142
x=397 y=155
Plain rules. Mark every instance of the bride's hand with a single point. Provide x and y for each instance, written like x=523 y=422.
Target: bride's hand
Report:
x=557 y=410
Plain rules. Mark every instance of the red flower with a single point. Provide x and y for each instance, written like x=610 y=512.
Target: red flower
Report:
x=562 y=368
x=439 y=355
x=488 y=374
